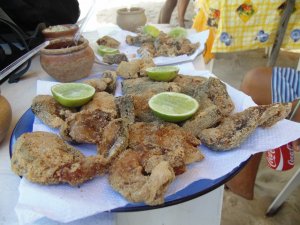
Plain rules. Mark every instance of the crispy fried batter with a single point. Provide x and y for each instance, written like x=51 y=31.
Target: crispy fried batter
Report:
x=189 y=84
x=114 y=58
x=129 y=70
x=217 y=92
x=147 y=50
x=139 y=39
x=127 y=176
x=207 y=116
x=50 y=111
x=145 y=62
x=44 y=158
x=274 y=113
x=125 y=107
x=103 y=101
x=115 y=139
x=108 y=41
x=85 y=126
x=178 y=145
x=214 y=103
x=136 y=108
x=233 y=130
x=134 y=69
x=144 y=84
x=105 y=83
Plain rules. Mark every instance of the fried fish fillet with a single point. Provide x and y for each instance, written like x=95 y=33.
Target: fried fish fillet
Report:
x=125 y=107
x=189 y=84
x=114 y=139
x=136 y=108
x=214 y=104
x=45 y=158
x=129 y=70
x=127 y=176
x=105 y=83
x=144 y=84
x=103 y=101
x=208 y=115
x=115 y=58
x=233 y=130
x=217 y=93
x=47 y=109
x=108 y=41
x=142 y=111
x=178 y=146
x=139 y=39
x=135 y=68
x=85 y=126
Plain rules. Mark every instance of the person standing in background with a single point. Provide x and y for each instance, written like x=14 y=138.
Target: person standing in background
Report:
x=168 y=8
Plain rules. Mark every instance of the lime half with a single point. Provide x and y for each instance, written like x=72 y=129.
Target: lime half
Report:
x=173 y=106
x=151 y=30
x=104 y=50
x=162 y=73
x=72 y=94
x=178 y=32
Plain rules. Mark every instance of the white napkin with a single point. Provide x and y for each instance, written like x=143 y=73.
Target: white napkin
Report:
x=131 y=51
x=65 y=203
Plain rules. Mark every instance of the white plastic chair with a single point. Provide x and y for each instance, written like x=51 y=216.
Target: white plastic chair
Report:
x=282 y=196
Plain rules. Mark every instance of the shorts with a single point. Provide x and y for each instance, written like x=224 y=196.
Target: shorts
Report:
x=285 y=84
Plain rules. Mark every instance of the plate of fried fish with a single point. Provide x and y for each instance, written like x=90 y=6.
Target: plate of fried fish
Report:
x=114 y=147
x=164 y=49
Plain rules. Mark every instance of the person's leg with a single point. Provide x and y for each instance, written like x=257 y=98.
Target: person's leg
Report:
x=181 y=8
x=257 y=84
x=166 y=11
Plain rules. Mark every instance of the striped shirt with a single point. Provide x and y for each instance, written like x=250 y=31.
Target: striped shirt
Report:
x=285 y=84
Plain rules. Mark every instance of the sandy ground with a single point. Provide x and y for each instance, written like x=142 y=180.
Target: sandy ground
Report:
x=231 y=67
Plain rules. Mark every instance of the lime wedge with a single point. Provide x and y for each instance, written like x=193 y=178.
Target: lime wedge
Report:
x=178 y=32
x=173 y=106
x=104 y=50
x=151 y=30
x=162 y=73
x=72 y=94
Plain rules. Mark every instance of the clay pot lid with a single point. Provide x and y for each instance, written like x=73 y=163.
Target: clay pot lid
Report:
x=60 y=46
x=133 y=10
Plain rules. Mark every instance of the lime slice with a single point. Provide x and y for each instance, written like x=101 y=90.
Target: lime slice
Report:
x=72 y=94
x=162 y=73
x=104 y=50
x=173 y=106
x=151 y=30
x=178 y=32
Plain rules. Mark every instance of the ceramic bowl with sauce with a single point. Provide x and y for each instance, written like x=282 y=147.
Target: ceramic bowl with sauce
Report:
x=67 y=61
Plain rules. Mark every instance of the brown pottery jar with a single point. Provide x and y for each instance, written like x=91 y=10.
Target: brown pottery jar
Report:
x=5 y=117
x=66 y=61
x=131 y=19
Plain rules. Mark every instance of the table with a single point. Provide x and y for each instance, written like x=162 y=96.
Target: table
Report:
x=205 y=208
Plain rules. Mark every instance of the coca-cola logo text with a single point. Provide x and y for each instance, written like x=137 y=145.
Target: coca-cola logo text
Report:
x=271 y=158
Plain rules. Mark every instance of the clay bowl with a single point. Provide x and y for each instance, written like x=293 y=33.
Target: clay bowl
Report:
x=131 y=19
x=65 y=61
x=58 y=31
x=5 y=117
